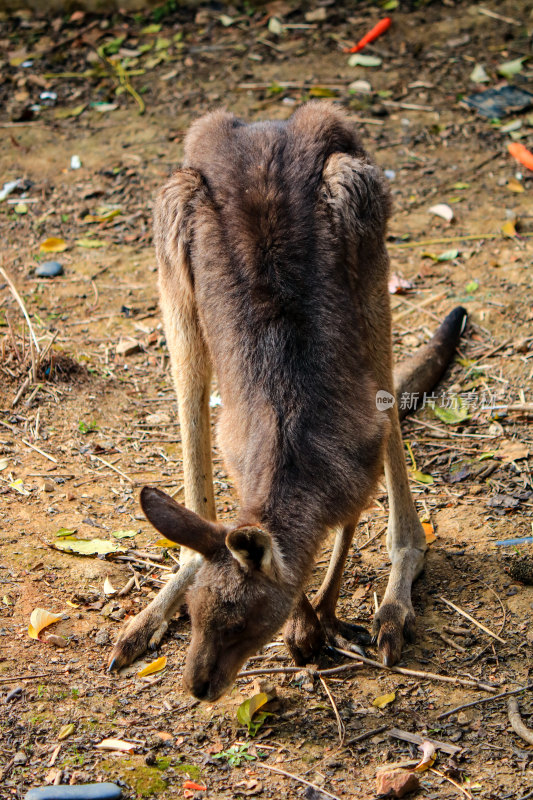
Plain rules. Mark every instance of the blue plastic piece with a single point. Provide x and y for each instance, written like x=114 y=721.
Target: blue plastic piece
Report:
x=87 y=791
x=510 y=542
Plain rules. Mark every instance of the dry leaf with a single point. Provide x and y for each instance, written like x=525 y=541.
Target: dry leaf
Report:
x=512 y=451
x=399 y=285
x=109 y=588
x=40 y=618
x=166 y=543
x=117 y=744
x=442 y=210
x=18 y=486
x=53 y=245
x=429 y=754
x=429 y=530
x=66 y=730
x=384 y=700
x=155 y=666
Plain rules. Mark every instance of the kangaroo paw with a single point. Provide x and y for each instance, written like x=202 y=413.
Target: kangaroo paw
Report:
x=142 y=632
x=394 y=624
x=303 y=634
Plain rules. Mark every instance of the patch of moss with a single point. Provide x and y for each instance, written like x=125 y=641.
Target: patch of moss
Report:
x=145 y=781
x=162 y=763
x=190 y=769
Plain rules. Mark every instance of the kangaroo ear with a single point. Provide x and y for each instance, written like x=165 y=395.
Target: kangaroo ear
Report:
x=179 y=524
x=253 y=548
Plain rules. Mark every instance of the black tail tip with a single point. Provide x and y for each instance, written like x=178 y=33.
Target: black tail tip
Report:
x=453 y=325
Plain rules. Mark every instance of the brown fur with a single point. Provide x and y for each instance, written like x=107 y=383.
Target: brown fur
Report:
x=273 y=269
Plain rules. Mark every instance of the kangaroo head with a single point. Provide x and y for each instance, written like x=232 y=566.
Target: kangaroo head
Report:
x=240 y=597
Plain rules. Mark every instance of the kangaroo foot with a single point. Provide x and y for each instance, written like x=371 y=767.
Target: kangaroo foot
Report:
x=394 y=624
x=346 y=635
x=143 y=632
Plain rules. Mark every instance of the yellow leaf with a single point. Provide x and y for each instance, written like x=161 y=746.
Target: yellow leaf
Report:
x=53 y=245
x=109 y=589
x=515 y=186
x=117 y=744
x=166 y=543
x=40 y=618
x=429 y=530
x=155 y=666
x=72 y=605
x=508 y=228
x=18 y=486
x=384 y=700
x=66 y=730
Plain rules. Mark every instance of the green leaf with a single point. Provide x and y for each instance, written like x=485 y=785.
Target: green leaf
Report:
x=88 y=547
x=90 y=243
x=472 y=287
x=362 y=60
x=421 y=477
x=390 y=5
x=247 y=712
x=65 y=113
x=511 y=68
x=62 y=532
x=151 y=29
x=123 y=534
x=452 y=416
x=448 y=255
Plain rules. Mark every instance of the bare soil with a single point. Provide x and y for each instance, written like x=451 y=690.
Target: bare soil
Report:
x=107 y=424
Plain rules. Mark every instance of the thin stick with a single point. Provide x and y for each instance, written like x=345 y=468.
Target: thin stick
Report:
x=446 y=239
x=41 y=452
x=450 y=780
x=488 y=13
x=426 y=302
x=433 y=676
x=115 y=469
x=297 y=778
x=451 y=643
x=516 y=721
x=18 y=298
x=483 y=700
x=373 y=539
x=367 y=735
x=340 y=724
x=16 y=678
x=247 y=673
x=471 y=619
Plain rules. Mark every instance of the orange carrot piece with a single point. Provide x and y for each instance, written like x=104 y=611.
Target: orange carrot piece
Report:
x=372 y=35
x=522 y=154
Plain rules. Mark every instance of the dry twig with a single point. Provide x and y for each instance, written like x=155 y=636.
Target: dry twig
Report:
x=431 y=676
x=471 y=619
x=516 y=721
x=297 y=778
x=340 y=724
x=483 y=700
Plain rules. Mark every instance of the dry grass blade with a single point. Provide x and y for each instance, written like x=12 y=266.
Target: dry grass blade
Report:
x=19 y=300
x=471 y=619
x=300 y=780
x=340 y=724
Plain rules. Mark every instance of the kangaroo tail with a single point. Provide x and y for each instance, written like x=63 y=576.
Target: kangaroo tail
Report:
x=423 y=371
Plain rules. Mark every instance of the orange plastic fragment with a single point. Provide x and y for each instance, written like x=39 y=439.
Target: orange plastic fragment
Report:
x=194 y=786
x=372 y=35
x=522 y=154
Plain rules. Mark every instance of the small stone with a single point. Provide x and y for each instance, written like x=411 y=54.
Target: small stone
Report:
x=49 y=269
x=102 y=637
x=396 y=782
x=316 y=15
x=14 y=694
x=126 y=347
x=56 y=641
x=48 y=485
x=20 y=758
x=119 y=614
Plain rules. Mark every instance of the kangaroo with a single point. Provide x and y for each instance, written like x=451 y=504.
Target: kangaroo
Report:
x=273 y=271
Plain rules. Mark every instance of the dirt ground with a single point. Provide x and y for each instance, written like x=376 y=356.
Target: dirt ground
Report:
x=98 y=421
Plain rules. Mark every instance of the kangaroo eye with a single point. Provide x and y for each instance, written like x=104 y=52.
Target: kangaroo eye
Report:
x=235 y=630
